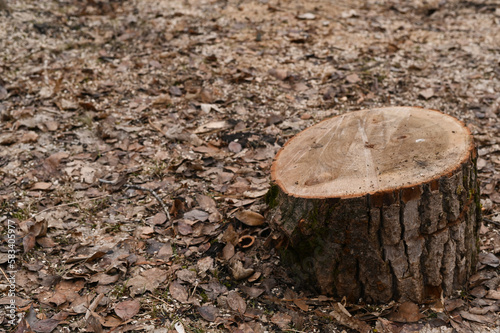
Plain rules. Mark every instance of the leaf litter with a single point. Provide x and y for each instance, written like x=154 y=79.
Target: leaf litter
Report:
x=183 y=105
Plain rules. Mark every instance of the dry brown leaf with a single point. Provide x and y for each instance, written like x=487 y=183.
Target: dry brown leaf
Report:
x=477 y=318
x=45 y=325
x=493 y=294
x=166 y=252
x=43 y=186
x=280 y=74
x=178 y=292
x=250 y=218
x=162 y=100
x=301 y=304
x=111 y=321
x=158 y=218
x=29 y=137
x=36 y=229
x=104 y=279
x=149 y=280
x=45 y=242
x=407 y=312
x=427 y=93
x=208 y=312
x=228 y=251
x=127 y=309
x=212 y=126
x=234 y=147
x=343 y=317
x=94 y=324
x=489 y=259
x=282 y=320
x=236 y=302
x=353 y=78
x=252 y=292
x=238 y=271
x=205 y=264
x=57 y=298
x=230 y=236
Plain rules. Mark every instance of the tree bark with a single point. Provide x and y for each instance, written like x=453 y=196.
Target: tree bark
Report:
x=386 y=218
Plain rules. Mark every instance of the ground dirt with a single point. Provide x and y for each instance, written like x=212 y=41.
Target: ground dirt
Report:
x=136 y=139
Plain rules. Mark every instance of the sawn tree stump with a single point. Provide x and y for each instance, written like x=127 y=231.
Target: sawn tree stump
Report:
x=379 y=204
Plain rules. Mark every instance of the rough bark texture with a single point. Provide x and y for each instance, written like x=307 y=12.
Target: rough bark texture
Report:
x=406 y=244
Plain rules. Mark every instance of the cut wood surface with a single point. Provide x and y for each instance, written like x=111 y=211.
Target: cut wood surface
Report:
x=371 y=151
x=379 y=204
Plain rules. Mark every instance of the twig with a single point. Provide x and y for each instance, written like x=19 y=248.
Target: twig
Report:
x=155 y=127
x=93 y=305
x=142 y=188
x=71 y=203
x=491 y=221
x=5 y=275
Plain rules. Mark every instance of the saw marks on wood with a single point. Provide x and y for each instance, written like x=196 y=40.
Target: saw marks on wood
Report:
x=370 y=151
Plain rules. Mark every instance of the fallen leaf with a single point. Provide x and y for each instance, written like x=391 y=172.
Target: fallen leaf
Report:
x=45 y=325
x=281 y=319
x=352 y=78
x=29 y=137
x=306 y=16
x=427 y=93
x=149 y=280
x=493 y=294
x=196 y=215
x=279 y=74
x=68 y=105
x=166 y=252
x=57 y=299
x=127 y=309
x=238 y=271
x=207 y=107
x=228 y=251
x=179 y=328
x=41 y=186
x=250 y=218
x=234 y=147
x=212 y=126
x=45 y=242
x=94 y=324
x=104 y=279
x=208 y=312
x=205 y=264
x=206 y=203
x=343 y=317
x=178 y=292
x=489 y=259
x=477 y=318
x=452 y=304
x=407 y=312
x=159 y=218
x=236 y=302
x=186 y=275
x=162 y=100
x=111 y=321
x=301 y=304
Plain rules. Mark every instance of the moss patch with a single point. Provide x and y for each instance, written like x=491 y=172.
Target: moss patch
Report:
x=271 y=197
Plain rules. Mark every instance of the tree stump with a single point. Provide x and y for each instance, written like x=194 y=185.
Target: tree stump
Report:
x=379 y=204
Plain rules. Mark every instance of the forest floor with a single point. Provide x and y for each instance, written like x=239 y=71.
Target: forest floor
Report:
x=110 y=109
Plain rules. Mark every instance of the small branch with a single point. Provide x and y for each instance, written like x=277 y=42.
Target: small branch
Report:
x=491 y=221
x=5 y=275
x=93 y=306
x=71 y=203
x=155 y=127
x=142 y=188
